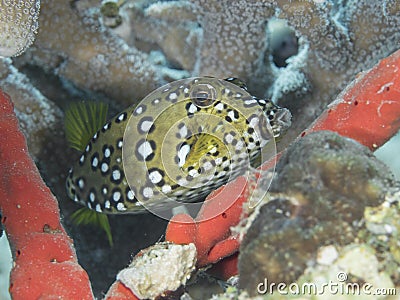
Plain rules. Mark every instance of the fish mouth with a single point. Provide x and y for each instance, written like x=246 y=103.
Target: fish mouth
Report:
x=282 y=122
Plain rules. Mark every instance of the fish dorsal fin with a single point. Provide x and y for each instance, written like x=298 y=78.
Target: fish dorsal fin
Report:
x=82 y=120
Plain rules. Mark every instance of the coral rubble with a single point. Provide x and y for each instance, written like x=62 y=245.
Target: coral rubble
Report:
x=174 y=263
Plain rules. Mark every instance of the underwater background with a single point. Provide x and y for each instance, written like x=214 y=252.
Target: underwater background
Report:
x=298 y=54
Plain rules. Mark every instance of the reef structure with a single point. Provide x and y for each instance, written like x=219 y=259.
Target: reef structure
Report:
x=323 y=184
x=18 y=26
x=218 y=39
x=365 y=99
x=158 y=41
x=319 y=71
x=30 y=215
x=26 y=226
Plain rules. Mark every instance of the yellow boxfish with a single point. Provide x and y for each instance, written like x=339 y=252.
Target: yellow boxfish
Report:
x=177 y=145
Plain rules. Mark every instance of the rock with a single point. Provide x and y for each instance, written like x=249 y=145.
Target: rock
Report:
x=323 y=184
x=160 y=268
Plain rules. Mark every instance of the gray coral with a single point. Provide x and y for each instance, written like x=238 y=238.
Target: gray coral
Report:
x=345 y=37
x=225 y=38
x=18 y=26
x=85 y=52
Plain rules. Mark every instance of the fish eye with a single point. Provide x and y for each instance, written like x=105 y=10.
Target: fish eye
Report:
x=203 y=95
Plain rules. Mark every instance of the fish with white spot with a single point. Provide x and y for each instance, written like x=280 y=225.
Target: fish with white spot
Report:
x=181 y=142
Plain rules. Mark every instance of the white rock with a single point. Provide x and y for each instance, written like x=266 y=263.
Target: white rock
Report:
x=159 y=268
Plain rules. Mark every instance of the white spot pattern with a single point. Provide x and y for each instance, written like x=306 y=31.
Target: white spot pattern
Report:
x=231 y=115
x=107 y=152
x=81 y=183
x=139 y=110
x=116 y=196
x=104 y=167
x=250 y=102
x=121 y=207
x=173 y=96
x=219 y=106
x=192 y=108
x=207 y=166
x=116 y=174
x=155 y=177
x=145 y=125
x=182 y=153
x=131 y=195
x=228 y=138
x=92 y=197
x=166 y=188
x=122 y=117
x=145 y=149
x=95 y=162
x=148 y=192
x=183 y=132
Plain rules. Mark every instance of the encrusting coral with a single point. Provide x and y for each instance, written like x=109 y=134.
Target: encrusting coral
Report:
x=175 y=263
x=80 y=49
x=18 y=26
x=322 y=186
x=40 y=120
x=233 y=38
x=344 y=38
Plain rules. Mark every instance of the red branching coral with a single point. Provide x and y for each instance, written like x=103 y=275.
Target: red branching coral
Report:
x=368 y=111
x=45 y=262
x=118 y=292
x=210 y=234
